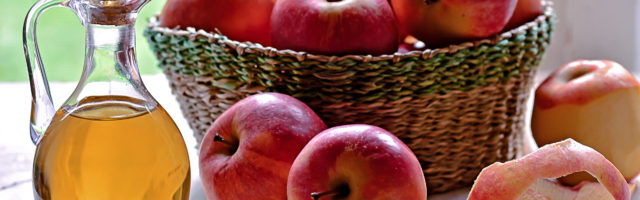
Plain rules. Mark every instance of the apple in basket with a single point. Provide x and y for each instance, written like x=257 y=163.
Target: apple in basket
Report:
x=334 y=27
x=527 y=177
x=597 y=103
x=526 y=11
x=355 y=162
x=242 y=20
x=249 y=149
x=442 y=22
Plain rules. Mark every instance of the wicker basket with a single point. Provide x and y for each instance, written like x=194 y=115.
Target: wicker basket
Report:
x=458 y=108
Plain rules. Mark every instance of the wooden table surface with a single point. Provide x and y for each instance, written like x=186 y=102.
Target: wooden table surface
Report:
x=17 y=150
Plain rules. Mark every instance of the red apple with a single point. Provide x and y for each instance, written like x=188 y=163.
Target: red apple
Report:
x=597 y=104
x=442 y=22
x=514 y=179
x=334 y=26
x=355 y=162
x=247 y=152
x=526 y=11
x=242 y=20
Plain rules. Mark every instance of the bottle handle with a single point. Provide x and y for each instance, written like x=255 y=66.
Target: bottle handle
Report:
x=42 y=109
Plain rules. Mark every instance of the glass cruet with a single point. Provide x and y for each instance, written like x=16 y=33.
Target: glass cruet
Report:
x=110 y=139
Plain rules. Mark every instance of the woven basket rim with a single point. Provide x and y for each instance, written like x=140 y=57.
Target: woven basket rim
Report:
x=250 y=47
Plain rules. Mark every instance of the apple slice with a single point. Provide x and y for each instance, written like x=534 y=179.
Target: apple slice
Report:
x=512 y=179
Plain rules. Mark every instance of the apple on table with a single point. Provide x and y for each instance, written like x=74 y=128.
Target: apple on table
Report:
x=597 y=103
x=354 y=162
x=334 y=27
x=249 y=149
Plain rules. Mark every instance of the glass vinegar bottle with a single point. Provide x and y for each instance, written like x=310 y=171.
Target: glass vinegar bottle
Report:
x=110 y=139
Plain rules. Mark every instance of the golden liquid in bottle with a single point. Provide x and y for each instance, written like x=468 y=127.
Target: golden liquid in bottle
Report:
x=110 y=147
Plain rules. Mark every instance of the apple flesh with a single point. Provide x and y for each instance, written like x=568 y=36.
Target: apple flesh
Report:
x=442 y=22
x=526 y=11
x=596 y=104
x=249 y=149
x=549 y=189
x=334 y=27
x=355 y=162
x=513 y=179
x=242 y=20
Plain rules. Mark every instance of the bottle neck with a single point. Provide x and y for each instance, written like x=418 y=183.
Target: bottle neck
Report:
x=110 y=67
x=111 y=37
x=110 y=53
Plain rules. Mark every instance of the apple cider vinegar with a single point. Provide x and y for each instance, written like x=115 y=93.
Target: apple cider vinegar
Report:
x=111 y=147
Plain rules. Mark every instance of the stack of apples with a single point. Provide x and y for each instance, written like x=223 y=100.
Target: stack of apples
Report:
x=272 y=146
x=339 y=27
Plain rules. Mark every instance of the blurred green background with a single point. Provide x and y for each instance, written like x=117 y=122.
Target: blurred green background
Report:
x=61 y=41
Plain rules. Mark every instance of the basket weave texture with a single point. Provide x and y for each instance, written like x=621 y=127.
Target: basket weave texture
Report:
x=458 y=108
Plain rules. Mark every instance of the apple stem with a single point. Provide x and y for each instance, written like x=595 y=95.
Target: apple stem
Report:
x=220 y=139
x=317 y=195
x=341 y=191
